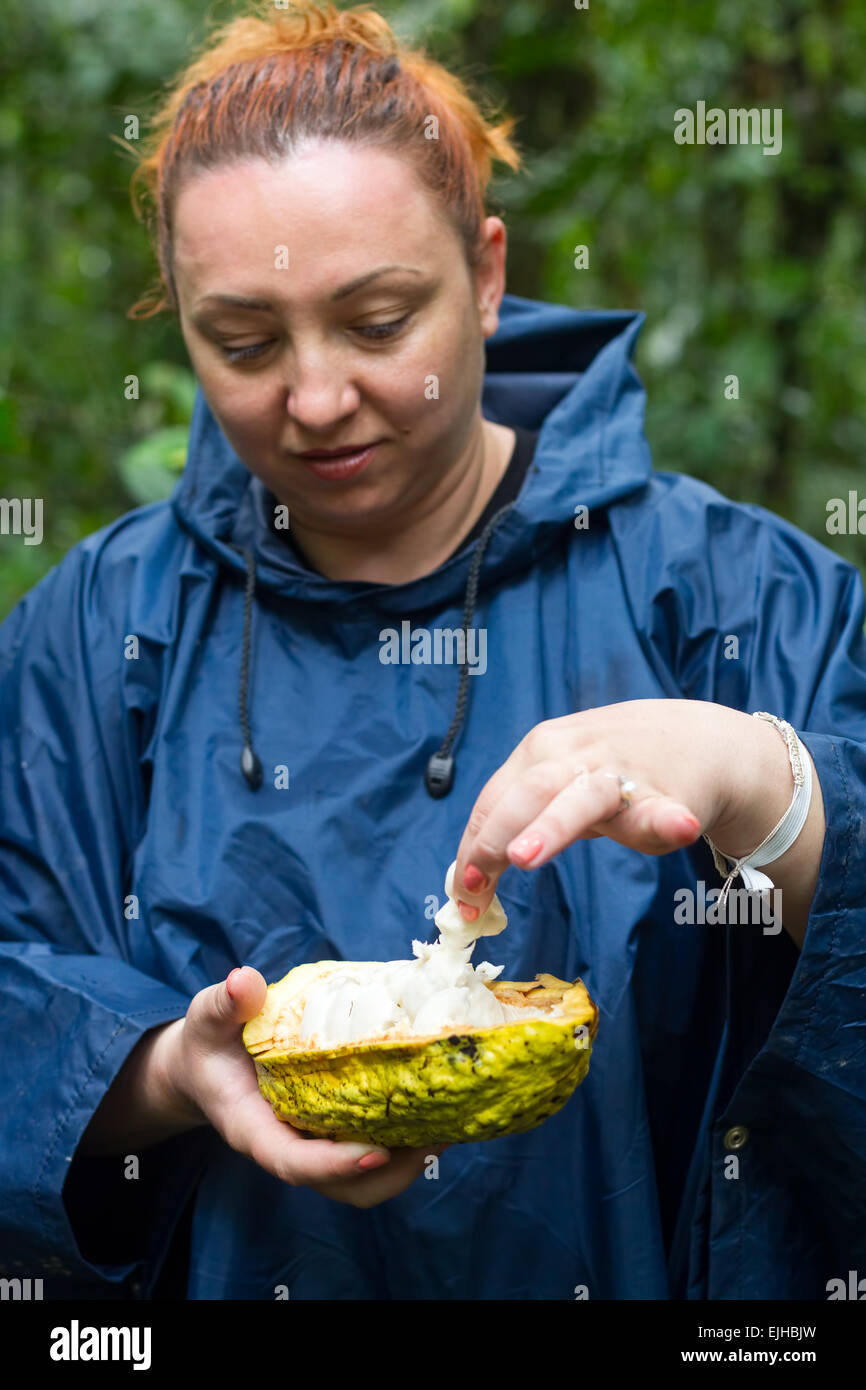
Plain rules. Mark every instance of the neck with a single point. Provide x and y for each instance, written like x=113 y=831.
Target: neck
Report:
x=408 y=548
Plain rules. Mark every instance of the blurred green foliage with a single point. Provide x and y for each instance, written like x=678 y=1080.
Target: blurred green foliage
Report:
x=744 y=263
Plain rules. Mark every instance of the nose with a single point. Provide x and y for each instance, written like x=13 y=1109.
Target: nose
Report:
x=319 y=395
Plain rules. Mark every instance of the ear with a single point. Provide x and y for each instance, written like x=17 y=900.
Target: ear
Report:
x=490 y=274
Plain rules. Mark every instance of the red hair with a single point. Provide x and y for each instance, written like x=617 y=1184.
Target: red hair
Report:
x=272 y=78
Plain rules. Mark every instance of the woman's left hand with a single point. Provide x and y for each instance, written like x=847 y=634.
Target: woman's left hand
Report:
x=686 y=758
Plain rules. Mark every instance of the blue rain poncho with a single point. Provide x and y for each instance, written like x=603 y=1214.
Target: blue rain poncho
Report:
x=137 y=865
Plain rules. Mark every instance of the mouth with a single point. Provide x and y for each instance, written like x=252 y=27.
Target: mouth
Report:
x=339 y=463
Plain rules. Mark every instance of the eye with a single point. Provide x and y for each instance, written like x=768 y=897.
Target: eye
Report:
x=372 y=331
x=251 y=350
x=383 y=330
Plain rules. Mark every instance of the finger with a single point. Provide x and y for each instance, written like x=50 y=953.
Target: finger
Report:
x=217 y=1011
x=655 y=824
x=591 y=805
x=405 y=1167
x=255 y=1131
x=522 y=801
x=479 y=890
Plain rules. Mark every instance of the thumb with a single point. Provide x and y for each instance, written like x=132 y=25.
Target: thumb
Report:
x=663 y=824
x=220 y=1010
x=246 y=989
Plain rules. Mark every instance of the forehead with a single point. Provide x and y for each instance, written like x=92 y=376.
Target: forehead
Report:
x=337 y=208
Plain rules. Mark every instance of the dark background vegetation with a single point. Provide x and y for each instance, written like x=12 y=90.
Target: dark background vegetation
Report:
x=743 y=263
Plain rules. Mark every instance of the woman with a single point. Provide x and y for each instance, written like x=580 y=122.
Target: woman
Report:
x=224 y=752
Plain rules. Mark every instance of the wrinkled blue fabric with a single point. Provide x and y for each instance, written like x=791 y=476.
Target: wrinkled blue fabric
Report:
x=137 y=866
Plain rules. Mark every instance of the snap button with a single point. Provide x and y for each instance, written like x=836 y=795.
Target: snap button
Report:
x=736 y=1137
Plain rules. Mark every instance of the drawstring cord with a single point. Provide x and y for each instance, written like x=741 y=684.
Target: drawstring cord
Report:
x=439 y=777
x=441 y=767
x=251 y=765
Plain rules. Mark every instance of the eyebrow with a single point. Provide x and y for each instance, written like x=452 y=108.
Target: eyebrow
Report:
x=240 y=301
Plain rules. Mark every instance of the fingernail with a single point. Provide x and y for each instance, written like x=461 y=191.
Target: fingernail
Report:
x=374 y=1159
x=468 y=913
x=527 y=847
x=690 y=824
x=237 y=970
x=474 y=879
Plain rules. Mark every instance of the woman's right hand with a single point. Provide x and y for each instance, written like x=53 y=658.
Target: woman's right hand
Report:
x=206 y=1075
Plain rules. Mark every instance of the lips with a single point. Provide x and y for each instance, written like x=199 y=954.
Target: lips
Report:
x=336 y=467
x=350 y=451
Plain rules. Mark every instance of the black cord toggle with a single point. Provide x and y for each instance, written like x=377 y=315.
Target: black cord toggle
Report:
x=439 y=777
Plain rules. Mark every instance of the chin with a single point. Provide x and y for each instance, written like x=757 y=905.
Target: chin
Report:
x=372 y=507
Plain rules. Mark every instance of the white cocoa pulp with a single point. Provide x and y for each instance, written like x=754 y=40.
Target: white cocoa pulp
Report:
x=436 y=991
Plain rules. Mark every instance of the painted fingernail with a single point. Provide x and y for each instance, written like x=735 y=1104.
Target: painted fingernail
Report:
x=527 y=847
x=375 y=1159
x=690 y=824
x=468 y=913
x=474 y=879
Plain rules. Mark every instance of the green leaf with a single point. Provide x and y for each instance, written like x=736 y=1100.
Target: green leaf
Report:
x=151 y=467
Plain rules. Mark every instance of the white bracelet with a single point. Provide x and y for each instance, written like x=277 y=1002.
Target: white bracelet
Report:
x=783 y=835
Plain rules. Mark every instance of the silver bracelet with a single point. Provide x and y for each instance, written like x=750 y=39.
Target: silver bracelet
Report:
x=783 y=835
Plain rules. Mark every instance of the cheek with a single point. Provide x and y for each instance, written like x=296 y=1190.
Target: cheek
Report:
x=249 y=428
x=440 y=380
x=245 y=408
